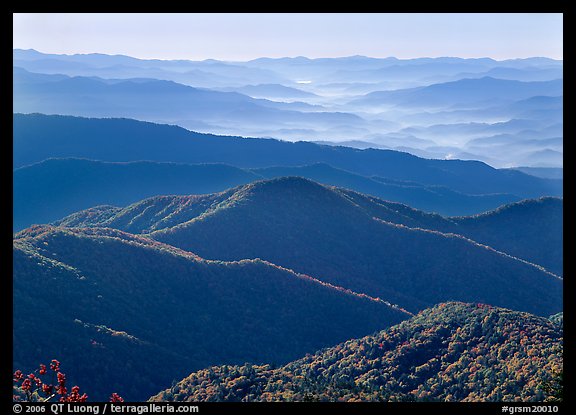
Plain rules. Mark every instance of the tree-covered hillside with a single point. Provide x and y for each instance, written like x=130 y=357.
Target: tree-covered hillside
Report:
x=96 y=297
x=451 y=352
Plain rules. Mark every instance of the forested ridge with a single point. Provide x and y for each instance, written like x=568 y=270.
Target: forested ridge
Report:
x=387 y=250
x=451 y=352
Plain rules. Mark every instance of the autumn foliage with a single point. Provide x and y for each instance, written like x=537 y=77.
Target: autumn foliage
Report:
x=454 y=352
x=43 y=385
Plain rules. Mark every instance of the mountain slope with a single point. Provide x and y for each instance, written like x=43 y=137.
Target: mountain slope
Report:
x=546 y=172
x=341 y=237
x=37 y=137
x=530 y=229
x=452 y=352
x=49 y=190
x=120 y=297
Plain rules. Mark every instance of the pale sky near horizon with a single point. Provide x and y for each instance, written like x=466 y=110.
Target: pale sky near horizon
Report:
x=245 y=36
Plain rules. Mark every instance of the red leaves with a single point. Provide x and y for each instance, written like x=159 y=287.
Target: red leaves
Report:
x=47 y=389
x=18 y=375
x=55 y=365
x=26 y=385
x=74 y=396
x=33 y=386
x=61 y=378
x=61 y=390
x=116 y=398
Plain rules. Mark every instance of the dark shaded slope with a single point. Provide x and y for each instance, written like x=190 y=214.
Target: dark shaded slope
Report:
x=437 y=199
x=128 y=314
x=530 y=229
x=37 y=137
x=452 y=352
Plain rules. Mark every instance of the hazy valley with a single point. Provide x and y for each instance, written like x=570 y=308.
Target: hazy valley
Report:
x=507 y=113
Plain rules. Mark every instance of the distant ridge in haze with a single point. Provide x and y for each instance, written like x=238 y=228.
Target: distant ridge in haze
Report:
x=54 y=188
x=464 y=91
x=164 y=100
x=37 y=137
x=399 y=104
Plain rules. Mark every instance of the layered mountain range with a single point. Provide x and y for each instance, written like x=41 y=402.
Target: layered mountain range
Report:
x=261 y=247
x=287 y=264
x=432 y=107
x=156 y=261
x=45 y=190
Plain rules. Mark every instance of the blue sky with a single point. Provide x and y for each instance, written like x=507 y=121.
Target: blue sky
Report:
x=244 y=36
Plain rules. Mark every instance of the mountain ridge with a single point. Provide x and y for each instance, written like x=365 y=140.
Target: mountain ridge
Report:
x=139 y=141
x=336 y=236
x=463 y=91
x=53 y=188
x=502 y=229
